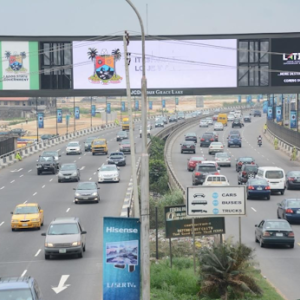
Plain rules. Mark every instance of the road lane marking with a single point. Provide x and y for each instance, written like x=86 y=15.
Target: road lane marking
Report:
x=12 y=181
x=25 y=202
x=79 y=157
x=95 y=173
x=297 y=243
x=58 y=150
x=43 y=186
x=2 y=188
x=68 y=210
x=84 y=154
x=29 y=170
x=51 y=179
x=82 y=168
x=74 y=160
x=90 y=178
x=34 y=194
x=253 y=209
x=1 y=223
x=21 y=175
x=38 y=253
x=23 y=274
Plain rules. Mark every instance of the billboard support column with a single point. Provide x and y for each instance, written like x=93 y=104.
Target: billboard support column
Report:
x=170 y=248
x=156 y=232
x=194 y=246
x=37 y=120
x=56 y=116
x=106 y=111
x=74 y=114
x=240 y=230
x=297 y=110
x=91 y=112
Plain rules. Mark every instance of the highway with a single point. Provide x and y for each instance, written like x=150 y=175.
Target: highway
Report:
x=279 y=264
x=21 y=252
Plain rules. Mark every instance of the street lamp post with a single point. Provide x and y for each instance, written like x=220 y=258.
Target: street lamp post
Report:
x=91 y=112
x=56 y=116
x=145 y=251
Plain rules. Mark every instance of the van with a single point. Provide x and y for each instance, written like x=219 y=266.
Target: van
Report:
x=222 y=118
x=275 y=177
x=99 y=146
x=237 y=113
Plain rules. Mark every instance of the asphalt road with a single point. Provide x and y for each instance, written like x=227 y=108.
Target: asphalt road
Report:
x=281 y=265
x=21 y=252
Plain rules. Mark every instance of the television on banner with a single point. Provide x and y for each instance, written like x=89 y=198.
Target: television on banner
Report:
x=59 y=116
x=93 y=110
x=278 y=113
x=77 y=113
x=270 y=113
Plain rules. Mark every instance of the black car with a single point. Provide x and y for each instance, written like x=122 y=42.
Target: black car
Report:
x=122 y=135
x=46 y=164
x=88 y=143
x=292 y=179
x=18 y=131
x=201 y=171
x=247 y=119
x=206 y=139
x=165 y=119
x=45 y=137
x=257 y=113
x=247 y=172
x=214 y=133
x=86 y=192
x=191 y=136
x=243 y=161
x=159 y=123
x=172 y=119
x=188 y=146
x=54 y=154
x=289 y=209
x=237 y=123
x=68 y=172
x=117 y=158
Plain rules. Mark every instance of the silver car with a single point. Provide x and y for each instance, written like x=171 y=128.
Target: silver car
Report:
x=73 y=148
x=210 y=121
x=203 y=123
x=215 y=147
x=65 y=236
x=68 y=172
x=218 y=126
x=223 y=159
x=86 y=192
x=108 y=173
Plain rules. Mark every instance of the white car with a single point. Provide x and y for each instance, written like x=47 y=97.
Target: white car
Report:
x=218 y=126
x=215 y=180
x=206 y=112
x=203 y=123
x=230 y=118
x=148 y=131
x=73 y=148
x=210 y=121
x=223 y=159
x=212 y=162
x=107 y=173
x=215 y=147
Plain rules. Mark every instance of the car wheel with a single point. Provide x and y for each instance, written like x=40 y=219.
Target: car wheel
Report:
x=54 y=171
x=256 y=240
x=240 y=146
x=93 y=153
x=278 y=217
x=239 y=183
x=288 y=186
x=80 y=255
x=47 y=256
x=12 y=229
x=292 y=246
x=248 y=196
x=261 y=244
x=38 y=172
x=282 y=192
x=229 y=165
x=84 y=248
x=181 y=151
x=268 y=197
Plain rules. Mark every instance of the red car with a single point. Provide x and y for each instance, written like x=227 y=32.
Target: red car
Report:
x=193 y=161
x=215 y=117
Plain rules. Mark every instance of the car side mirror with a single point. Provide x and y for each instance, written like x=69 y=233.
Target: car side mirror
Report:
x=255 y=225
x=74 y=189
x=12 y=213
x=41 y=210
x=43 y=234
x=279 y=204
x=83 y=232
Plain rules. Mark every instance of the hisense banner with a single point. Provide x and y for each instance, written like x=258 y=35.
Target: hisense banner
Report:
x=93 y=112
x=41 y=120
x=59 y=115
x=278 y=113
x=77 y=113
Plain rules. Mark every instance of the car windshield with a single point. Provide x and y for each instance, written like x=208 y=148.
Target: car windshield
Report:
x=46 y=159
x=277 y=225
x=247 y=159
x=189 y=143
x=197 y=158
x=16 y=294
x=258 y=182
x=222 y=155
x=90 y=139
x=99 y=142
x=50 y=153
x=125 y=142
x=294 y=174
x=121 y=133
x=234 y=136
x=20 y=210
x=207 y=136
x=86 y=186
x=293 y=203
x=73 y=145
x=125 y=122
x=117 y=154
x=251 y=168
x=274 y=174
x=207 y=169
x=63 y=229
x=68 y=167
x=108 y=168
x=216 y=144
x=192 y=134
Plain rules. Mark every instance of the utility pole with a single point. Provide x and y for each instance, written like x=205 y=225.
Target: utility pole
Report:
x=74 y=114
x=132 y=145
x=106 y=111
x=37 y=120
x=145 y=248
x=56 y=116
x=91 y=112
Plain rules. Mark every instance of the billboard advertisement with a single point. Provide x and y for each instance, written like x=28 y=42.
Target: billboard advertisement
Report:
x=150 y=105
x=77 y=112
x=123 y=106
x=121 y=258
x=136 y=105
x=265 y=107
x=270 y=112
x=93 y=110
x=278 y=113
x=163 y=103
x=108 y=108
x=287 y=63
x=19 y=66
x=41 y=120
x=293 y=119
x=169 y=64
x=59 y=115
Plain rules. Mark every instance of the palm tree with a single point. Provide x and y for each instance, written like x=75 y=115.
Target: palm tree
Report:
x=92 y=53
x=227 y=267
x=23 y=54
x=7 y=55
x=117 y=55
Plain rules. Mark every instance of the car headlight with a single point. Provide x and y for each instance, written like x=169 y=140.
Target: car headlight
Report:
x=76 y=244
x=74 y=173
x=38 y=166
x=117 y=136
x=34 y=220
x=48 y=245
x=15 y=221
x=77 y=194
x=94 y=194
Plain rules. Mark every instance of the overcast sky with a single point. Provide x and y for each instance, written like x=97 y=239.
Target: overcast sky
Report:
x=165 y=17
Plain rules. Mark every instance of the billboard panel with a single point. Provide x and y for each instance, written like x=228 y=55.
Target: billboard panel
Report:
x=287 y=63
x=19 y=66
x=169 y=64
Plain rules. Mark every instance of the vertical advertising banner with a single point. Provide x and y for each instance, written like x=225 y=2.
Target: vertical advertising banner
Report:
x=123 y=106
x=77 y=113
x=93 y=110
x=265 y=107
x=150 y=105
x=271 y=100
x=121 y=258
x=41 y=120
x=293 y=119
x=136 y=105
x=239 y=98
x=270 y=113
x=278 y=113
x=258 y=98
x=163 y=103
x=176 y=101
x=108 y=108
x=59 y=115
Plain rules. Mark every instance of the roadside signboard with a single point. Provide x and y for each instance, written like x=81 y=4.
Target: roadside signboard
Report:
x=214 y=201
x=178 y=224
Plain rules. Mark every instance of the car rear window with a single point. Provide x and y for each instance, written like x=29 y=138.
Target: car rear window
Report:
x=258 y=182
x=16 y=294
x=246 y=159
x=216 y=178
x=251 y=168
x=234 y=136
x=207 y=136
x=293 y=203
x=221 y=155
x=274 y=174
x=294 y=174
x=207 y=169
x=277 y=225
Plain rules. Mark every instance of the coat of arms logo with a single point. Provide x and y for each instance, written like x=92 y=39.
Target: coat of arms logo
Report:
x=15 y=61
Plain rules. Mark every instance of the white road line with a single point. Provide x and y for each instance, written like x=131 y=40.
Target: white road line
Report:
x=79 y=157
x=95 y=173
x=21 y=175
x=12 y=181
x=34 y=194
x=58 y=150
x=2 y=188
x=25 y=202
x=29 y=171
x=43 y=186
x=253 y=209
x=38 y=253
x=84 y=154
x=90 y=178
x=23 y=274
x=1 y=223
x=82 y=168
x=68 y=209
x=74 y=160
x=51 y=179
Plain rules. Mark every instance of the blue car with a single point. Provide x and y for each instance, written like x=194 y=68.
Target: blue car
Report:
x=289 y=209
x=258 y=188
x=234 y=140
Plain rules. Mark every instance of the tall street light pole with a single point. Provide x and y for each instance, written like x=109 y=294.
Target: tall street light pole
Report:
x=91 y=112
x=145 y=251
x=37 y=120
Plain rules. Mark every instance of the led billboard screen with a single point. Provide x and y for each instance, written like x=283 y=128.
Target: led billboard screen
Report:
x=169 y=64
x=286 y=62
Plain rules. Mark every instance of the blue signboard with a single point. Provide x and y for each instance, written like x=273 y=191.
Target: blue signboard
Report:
x=278 y=113
x=67 y=119
x=293 y=119
x=270 y=113
x=41 y=120
x=288 y=99
x=281 y=98
x=271 y=100
x=150 y=105
x=59 y=115
x=108 y=108
x=176 y=101
x=239 y=98
x=121 y=258
x=265 y=107
x=136 y=105
x=93 y=110
x=258 y=98
x=77 y=113
x=123 y=106
x=163 y=103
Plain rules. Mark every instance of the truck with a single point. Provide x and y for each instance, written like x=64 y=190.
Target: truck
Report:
x=125 y=124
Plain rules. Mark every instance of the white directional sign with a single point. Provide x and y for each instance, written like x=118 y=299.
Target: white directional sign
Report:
x=207 y=201
x=61 y=286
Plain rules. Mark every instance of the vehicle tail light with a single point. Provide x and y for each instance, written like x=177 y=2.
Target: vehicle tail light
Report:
x=266 y=233
x=240 y=163
x=289 y=211
x=267 y=187
x=202 y=140
x=197 y=174
x=252 y=163
x=211 y=139
x=250 y=187
x=217 y=173
x=244 y=173
x=291 y=234
x=291 y=178
x=192 y=147
x=221 y=146
x=183 y=146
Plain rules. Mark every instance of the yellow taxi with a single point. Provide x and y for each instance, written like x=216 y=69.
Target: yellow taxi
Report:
x=27 y=215
x=99 y=146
